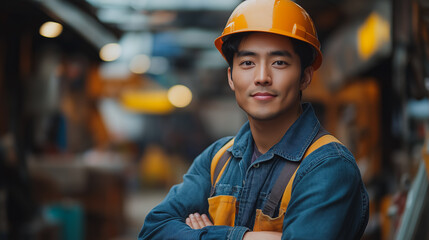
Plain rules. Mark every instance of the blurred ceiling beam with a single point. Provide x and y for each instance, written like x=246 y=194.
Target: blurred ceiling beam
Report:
x=176 y=5
x=93 y=31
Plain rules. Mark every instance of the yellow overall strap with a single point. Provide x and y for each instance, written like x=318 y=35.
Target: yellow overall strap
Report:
x=219 y=163
x=326 y=139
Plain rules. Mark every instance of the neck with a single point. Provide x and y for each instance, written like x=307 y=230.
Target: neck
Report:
x=266 y=133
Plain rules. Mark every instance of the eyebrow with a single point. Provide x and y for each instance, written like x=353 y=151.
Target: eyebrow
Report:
x=283 y=53
x=273 y=53
x=245 y=53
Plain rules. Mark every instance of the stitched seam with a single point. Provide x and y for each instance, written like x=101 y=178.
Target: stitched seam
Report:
x=303 y=148
x=364 y=210
x=317 y=162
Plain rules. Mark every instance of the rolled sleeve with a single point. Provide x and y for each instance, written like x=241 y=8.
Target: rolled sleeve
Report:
x=237 y=233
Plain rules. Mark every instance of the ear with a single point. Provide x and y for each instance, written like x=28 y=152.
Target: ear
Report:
x=230 y=82
x=306 y=77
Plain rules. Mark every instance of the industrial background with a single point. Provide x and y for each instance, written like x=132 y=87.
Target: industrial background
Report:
x=104 y=104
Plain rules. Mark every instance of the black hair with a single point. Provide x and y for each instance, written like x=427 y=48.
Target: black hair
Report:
x=230 y=45
x=305 y=51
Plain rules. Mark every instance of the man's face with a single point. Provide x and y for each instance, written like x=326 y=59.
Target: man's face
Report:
x=266 y=77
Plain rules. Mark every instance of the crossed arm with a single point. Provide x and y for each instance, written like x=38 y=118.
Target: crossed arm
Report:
x=197 y=221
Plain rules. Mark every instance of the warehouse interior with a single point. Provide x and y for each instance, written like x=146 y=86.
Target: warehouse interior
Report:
x=105 y=104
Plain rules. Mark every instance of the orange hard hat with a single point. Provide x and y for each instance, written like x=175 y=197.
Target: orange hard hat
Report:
x=282 y=17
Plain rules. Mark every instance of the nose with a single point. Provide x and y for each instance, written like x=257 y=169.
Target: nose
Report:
x=262 y=75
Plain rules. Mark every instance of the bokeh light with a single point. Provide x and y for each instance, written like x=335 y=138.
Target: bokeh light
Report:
x=140 y=64
x=180 y=96
x=110 y=52
x=51 y=29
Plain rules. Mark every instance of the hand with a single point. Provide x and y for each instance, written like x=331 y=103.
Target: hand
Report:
x=197 y=221
x=262 y=235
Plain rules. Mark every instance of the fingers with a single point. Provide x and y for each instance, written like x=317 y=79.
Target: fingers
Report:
x=188 y=221
x=197 y=221
x=206 y=220
x=191 y=222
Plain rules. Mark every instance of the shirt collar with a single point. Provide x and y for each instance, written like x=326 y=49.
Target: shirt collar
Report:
x=293 y=144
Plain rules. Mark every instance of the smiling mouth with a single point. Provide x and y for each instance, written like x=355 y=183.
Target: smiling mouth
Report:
x=263 y=96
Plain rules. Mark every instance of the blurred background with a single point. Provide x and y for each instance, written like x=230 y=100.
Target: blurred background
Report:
x=104 y=104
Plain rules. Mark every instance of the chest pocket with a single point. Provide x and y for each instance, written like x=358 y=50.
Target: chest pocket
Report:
x=223 y=208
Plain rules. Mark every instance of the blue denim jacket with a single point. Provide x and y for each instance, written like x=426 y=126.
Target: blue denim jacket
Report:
x=328 y=200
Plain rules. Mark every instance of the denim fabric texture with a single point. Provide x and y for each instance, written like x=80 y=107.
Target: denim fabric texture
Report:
x=328 y=201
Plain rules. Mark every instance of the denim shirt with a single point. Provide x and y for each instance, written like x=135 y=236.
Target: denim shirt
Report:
x=328 y=200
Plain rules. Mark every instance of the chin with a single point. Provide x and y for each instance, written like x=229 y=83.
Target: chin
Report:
x=262 y=117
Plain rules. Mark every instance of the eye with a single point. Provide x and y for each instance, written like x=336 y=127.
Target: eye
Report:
x=246 y=63
x=280 y=63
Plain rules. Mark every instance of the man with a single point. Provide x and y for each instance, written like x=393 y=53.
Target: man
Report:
x=272 y=49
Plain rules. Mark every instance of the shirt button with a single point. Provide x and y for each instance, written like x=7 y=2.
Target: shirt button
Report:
x=256 y=165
